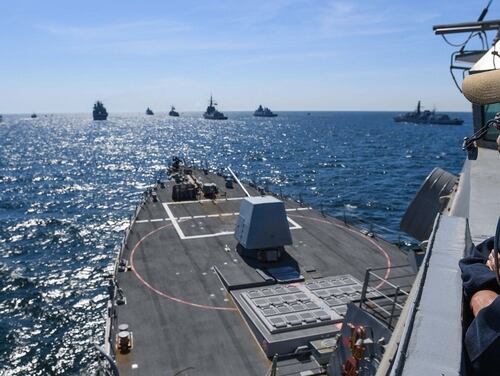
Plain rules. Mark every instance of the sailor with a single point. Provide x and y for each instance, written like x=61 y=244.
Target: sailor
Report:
x=482 y=338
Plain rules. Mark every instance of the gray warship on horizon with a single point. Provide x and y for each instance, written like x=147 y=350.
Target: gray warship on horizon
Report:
x=264 y=112
x=427 y=117
x=172 y=112
x=99 y=112
x=220 y=279
x=211 y=113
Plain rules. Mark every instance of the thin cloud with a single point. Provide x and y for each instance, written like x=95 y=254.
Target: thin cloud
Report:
x=283 y=57
x=147 y=47
x=344 y=19
x=115 y=30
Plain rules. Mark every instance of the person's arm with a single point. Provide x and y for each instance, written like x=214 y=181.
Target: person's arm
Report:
x=482 y=299
x=490 y=263
x=476 y=275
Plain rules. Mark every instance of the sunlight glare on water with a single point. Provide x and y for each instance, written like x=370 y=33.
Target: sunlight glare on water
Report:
x=68 y=186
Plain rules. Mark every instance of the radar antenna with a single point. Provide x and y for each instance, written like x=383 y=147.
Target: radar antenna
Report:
x=474 y=29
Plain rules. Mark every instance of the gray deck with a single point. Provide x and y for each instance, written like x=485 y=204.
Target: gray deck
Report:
x=180 y=313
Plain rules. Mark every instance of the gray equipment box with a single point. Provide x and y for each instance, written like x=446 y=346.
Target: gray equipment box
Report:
x=262 y=223
x=183 y=192
x=210 y=190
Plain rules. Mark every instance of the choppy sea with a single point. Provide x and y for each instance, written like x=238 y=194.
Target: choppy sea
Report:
x=68 y=186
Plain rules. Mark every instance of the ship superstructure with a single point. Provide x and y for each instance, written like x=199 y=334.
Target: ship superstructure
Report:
x=264 y=112
x=263 y=279
x=99 y=112
x=450 y=214
x=212 y=113
x=216 y=278
x=427 y=117
x=173 y=112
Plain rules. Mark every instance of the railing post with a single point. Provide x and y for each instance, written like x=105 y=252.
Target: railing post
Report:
x=365 y=287
x=394 y=306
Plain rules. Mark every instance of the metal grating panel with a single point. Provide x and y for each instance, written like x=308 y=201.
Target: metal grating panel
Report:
x=302 y=305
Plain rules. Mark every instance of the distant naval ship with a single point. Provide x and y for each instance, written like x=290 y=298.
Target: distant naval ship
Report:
x=173 y=112
x=149 y=111
x=264 y=112
x=99 y=112
x=212 y=113
x=426 y=117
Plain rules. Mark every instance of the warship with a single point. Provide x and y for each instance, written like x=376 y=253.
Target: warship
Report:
x=173 y=112
x=211 y=113
x=218 y=277
x=264 y=112
x=99 y=112
x=449 y=215
x=427 y=117
x=149 y=111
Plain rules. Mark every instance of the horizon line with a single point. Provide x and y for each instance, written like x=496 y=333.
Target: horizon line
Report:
x=201 y=111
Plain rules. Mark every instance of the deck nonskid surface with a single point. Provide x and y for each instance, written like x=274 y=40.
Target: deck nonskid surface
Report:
x=181 y=316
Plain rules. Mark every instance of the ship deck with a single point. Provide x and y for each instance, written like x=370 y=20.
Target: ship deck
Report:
x=182 y=262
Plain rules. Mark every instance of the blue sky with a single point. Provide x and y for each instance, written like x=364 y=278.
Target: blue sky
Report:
x=59 y=56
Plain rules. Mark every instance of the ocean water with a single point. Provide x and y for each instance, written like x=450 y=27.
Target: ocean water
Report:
x=68 y=186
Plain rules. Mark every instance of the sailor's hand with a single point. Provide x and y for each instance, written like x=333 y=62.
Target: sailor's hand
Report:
x=482 y=299
x=490 y=263
x=498 y=143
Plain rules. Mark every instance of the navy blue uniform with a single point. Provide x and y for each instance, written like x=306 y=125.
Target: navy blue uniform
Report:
x=482 y=339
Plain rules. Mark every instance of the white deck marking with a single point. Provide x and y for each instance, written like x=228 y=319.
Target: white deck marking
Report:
x=206 y=200
x=238 y=181
x=209 y=235
x=211 y=216
x=295 y=224
x=174 y=221
x=182 y=236
x=229 y=214
x=152 y=220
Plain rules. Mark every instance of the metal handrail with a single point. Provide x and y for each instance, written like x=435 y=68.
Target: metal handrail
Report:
x=123 y=245
x=387 y=282
x=392 y=267
x=398 y=292
x=109 y=359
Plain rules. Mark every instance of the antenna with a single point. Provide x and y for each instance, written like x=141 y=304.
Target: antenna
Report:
x=479 y=19
x=484 y=12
